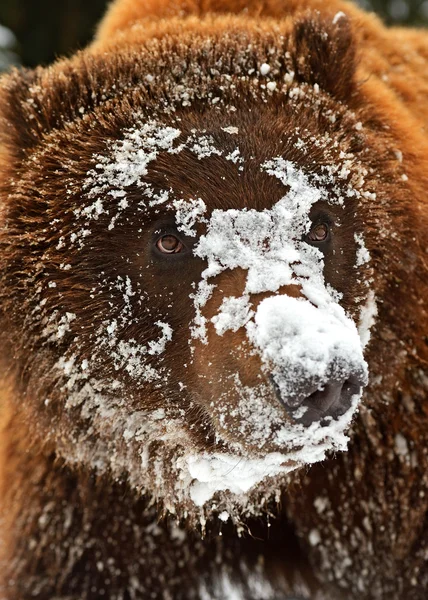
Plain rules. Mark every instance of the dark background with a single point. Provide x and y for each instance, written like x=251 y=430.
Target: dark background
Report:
x=45 y=29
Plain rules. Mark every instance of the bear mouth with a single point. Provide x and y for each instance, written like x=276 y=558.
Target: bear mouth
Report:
x=237 y=474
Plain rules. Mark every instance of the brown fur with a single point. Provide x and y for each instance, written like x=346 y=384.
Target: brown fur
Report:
x=353 y=526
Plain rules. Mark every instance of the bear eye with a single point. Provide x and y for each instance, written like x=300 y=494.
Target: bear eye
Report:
x=319 y=233
x=169 y=244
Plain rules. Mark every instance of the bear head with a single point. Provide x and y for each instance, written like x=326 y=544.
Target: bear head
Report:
x=189 y=236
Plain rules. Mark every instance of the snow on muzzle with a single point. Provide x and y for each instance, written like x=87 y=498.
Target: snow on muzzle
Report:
x=310 y=349
x=313 y=357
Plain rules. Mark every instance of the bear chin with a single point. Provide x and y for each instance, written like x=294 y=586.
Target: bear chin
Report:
x=197 y=485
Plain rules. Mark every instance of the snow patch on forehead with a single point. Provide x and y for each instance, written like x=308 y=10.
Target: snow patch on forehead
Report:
x=267 y=244
x=188 y=213
x=126 y=163
x=129 y=158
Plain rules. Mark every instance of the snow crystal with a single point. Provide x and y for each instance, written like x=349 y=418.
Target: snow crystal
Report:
x=111 y=328
x=320 y=504
x=188 y=213
x=339 y=15
x=363 y=255
x=203 y=146
x=235 y=156
x=398 y=155
x=232 y=130
x=401 y=445
x=264 y=69
x=64 y=324
x=158 y=346
x=314 y=537
x=233 y=314
x=367 y=319
x=224 y=516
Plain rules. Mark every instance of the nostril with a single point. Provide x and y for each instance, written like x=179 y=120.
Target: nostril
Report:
x=325 y=398
x=330 y=400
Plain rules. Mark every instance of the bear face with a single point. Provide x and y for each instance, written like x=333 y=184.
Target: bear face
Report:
x=200 y=260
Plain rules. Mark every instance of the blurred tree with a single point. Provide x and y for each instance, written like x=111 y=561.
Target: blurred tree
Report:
x=46 y=29
x=7 y=46
x=407 y=12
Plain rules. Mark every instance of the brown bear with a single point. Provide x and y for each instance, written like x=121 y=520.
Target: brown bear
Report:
x=213 y=290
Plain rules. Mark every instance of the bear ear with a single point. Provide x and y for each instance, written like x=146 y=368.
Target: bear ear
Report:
x=325 y=53
x=19 y=127
x=35 y=102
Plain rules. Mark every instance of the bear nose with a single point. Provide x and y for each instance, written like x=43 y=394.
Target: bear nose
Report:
x=323 y=403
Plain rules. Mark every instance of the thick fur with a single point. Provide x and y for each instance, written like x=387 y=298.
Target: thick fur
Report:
x=353 y=526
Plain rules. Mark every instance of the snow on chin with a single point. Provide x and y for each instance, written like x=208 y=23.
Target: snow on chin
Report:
x=252 y=584
x=212 y=473
x=206 y=474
